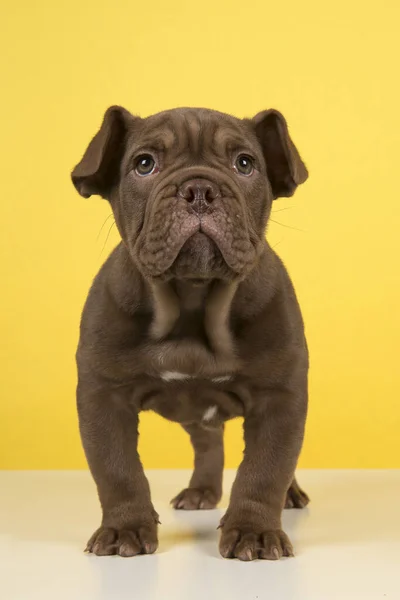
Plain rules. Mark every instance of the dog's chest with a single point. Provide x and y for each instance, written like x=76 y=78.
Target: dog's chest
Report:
x=187 y=383
x=186 y=378
x=193 y=401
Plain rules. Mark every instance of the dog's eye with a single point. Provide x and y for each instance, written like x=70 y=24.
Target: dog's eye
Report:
x=145 y=165
x=244 y=165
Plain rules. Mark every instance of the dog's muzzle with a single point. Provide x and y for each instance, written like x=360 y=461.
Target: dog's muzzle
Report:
x=196 y=224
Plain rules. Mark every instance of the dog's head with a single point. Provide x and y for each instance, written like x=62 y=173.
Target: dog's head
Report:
x=191 y=189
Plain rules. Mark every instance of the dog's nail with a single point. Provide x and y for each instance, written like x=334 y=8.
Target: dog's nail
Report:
x=275 y=552
x=125 y=550
x=248 y=555
x=288 y=551
x=150 y=548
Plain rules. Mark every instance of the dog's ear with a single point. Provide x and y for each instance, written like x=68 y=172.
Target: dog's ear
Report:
x=99 y=168
x=285 y=169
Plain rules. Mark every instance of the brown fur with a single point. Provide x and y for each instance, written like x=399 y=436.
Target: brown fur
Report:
x=193 y=316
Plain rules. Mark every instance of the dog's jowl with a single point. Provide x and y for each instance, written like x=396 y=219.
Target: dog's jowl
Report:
x=193 y=316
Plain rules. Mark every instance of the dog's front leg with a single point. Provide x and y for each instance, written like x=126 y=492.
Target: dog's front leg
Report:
x=273 y=433
x=109 y=431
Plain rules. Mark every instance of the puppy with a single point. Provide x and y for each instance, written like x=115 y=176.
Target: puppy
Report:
x=193 y=316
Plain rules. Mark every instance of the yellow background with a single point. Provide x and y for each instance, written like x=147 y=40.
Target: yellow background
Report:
x=333 y=70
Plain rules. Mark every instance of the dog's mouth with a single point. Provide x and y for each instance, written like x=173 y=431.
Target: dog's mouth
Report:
x=199 y=258
x=176 y=241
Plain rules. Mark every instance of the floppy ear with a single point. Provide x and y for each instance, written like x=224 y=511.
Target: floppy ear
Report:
x=99 y=168
x=285 y=169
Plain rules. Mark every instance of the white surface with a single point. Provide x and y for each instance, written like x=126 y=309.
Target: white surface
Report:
x=347 y=543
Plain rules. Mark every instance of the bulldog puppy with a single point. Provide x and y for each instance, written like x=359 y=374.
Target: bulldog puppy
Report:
x=193 y=316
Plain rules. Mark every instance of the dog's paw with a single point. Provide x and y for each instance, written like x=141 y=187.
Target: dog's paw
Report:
x=247 y=543
x=296 y=497
x=195 y=499
x=125 y=541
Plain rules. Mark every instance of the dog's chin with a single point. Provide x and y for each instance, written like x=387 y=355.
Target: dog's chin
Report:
x=200 y=260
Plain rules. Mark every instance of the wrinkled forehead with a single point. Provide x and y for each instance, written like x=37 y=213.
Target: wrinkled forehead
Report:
x=196 y=130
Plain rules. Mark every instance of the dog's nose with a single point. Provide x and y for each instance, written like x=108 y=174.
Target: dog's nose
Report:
x=200 y=193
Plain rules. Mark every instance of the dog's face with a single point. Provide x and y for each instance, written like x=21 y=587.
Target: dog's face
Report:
x=191 y=189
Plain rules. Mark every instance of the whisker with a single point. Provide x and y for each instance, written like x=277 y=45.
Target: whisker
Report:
x=288 y=226
x=102 y=227
x=281 y=209
x=108 y=235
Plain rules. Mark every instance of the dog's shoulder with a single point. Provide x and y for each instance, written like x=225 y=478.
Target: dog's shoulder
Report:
x=117 y=304
x=265 y=309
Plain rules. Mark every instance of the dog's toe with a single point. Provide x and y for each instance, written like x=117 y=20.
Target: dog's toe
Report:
x=247 y=543
x=195 y=499
x=125 y=542
x=296 y=497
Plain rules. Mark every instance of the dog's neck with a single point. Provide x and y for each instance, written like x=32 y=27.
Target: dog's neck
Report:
x=191 y=324
x=213 y=299
x=191 y=294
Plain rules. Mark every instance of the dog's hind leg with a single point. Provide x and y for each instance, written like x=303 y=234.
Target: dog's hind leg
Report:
x=205 y=487
x=296 y=497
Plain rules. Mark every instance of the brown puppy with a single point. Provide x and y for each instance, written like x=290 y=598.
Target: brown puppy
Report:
x=193 y=316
